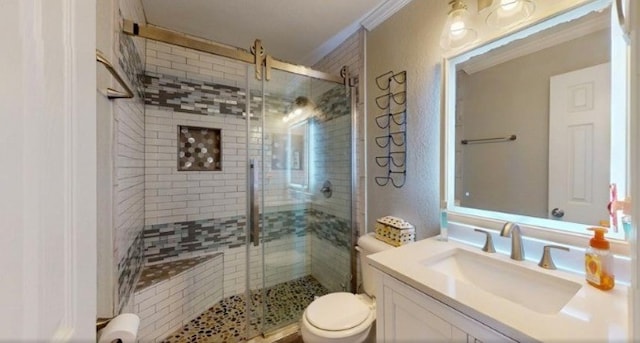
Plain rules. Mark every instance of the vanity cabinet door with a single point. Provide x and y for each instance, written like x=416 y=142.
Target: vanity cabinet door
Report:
x=406 y=321
x=458 y=335
x=407 y=315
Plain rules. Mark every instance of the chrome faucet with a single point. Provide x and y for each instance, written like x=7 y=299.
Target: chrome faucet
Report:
x=517 y=249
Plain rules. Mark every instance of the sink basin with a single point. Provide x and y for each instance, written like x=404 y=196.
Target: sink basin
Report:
x=534 y=290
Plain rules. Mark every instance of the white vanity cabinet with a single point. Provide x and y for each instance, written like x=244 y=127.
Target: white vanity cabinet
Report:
x=407 y=315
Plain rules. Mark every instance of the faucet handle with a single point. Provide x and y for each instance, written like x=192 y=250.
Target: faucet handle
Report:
x=488 y=244
x=546 y=261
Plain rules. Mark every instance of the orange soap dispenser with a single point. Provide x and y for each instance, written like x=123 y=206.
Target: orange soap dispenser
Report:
x=598 y=261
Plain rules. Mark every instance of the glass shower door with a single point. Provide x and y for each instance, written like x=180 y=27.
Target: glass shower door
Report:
x=286 y=195
x=300 y=145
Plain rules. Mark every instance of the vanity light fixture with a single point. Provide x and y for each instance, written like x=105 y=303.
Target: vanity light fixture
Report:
x=507 y=13
x=457 y=31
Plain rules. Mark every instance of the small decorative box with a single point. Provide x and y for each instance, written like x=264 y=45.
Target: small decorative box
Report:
x=394 y=231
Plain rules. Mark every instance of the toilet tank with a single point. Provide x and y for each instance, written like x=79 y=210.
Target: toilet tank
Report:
x=368 y=244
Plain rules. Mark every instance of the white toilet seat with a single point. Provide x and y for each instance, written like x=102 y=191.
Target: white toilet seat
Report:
x=337 y=311
x=358 y=310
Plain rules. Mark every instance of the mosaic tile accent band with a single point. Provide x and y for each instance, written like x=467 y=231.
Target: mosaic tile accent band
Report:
x=165 y=241
x=129 y=269
x=192 y=96
x=333 y=104
x=208 y=98
x=284 y=223
x=131 y=64
x=170 y=240
x=331 y=228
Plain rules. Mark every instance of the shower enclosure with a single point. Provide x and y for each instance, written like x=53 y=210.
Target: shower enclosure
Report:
x=260 y=204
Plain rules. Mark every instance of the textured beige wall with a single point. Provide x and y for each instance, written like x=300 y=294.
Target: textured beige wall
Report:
x=513 y=98
x=408 y=41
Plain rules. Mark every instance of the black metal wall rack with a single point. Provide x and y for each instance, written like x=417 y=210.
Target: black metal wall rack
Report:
x=391 y=119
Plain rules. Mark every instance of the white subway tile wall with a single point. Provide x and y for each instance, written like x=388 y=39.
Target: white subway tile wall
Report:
x=351 y=54
x=330 y=264
x=128 y=154
x=287 y=259
x=332 y=161
x=235 y=269
x=178 y=196
x=278 y=264
x=186 y=63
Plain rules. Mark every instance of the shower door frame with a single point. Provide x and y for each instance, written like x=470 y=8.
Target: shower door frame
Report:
x=260 y=59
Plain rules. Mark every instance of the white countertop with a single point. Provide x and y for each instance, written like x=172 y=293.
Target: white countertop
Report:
x=591 y=315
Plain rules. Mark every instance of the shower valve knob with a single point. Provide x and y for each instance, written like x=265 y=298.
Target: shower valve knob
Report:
x=327 y=189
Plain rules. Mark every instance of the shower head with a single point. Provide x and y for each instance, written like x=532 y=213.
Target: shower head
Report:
x=301 y=101
x=300 y=108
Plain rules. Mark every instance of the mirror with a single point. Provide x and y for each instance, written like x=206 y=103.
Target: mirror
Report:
x=298 y=155
x=528 y=124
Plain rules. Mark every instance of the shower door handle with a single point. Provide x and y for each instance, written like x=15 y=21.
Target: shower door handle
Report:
x=254 y=212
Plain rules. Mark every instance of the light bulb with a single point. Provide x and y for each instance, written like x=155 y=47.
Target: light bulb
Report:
x=457 y=27
x=297 y=112
x=457 y=32
x=509 y=5
x=510 y=13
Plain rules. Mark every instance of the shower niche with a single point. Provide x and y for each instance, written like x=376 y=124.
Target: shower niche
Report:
x=199 y=149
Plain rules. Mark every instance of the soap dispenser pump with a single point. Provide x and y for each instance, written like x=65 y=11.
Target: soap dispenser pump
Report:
x=598 y=261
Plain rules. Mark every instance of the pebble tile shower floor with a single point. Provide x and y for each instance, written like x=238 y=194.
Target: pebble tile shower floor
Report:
x=225 y=321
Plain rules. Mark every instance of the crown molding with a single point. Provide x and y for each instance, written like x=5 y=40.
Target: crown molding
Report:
x=331 y=44
x=369 y=22
x=384 y=11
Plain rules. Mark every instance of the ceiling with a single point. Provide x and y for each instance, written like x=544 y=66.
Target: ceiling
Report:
x=296 y=31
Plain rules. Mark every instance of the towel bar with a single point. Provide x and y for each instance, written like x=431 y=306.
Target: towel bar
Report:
x=112 y=93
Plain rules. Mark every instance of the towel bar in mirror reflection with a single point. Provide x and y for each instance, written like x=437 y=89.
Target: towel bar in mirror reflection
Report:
x=489 y=140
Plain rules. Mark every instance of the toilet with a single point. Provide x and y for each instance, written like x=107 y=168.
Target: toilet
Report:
x=341 y=316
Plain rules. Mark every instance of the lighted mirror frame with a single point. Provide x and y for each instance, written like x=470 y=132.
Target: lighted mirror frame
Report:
x=619 y=120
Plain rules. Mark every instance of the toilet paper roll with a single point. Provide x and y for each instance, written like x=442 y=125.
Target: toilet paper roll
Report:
x=123 y=327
